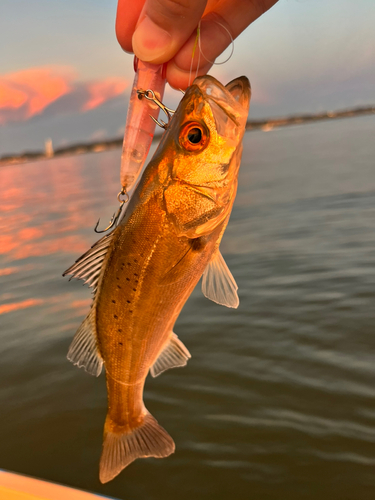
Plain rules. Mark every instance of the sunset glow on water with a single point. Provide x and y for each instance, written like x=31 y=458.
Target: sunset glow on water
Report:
x=278 y=400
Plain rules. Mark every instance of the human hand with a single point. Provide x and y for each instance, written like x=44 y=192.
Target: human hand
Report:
x=164 y=31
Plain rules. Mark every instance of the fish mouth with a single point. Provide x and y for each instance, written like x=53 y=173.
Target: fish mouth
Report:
x=237 y=91
x=229 y=104
x=233 y=99
x=240 y=89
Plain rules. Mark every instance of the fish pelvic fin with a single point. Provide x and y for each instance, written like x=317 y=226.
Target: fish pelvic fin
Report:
x=218 y=283
x=83 y=351
x=173 y=355
x=149 y=439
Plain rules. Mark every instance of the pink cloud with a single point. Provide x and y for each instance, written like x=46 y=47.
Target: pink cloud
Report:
x=27 y=93
x=101 y=92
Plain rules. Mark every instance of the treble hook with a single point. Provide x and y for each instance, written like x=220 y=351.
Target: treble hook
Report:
x=150 y=96
x=117 y=214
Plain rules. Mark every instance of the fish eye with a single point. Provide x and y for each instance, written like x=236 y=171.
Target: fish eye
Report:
x=193 y=136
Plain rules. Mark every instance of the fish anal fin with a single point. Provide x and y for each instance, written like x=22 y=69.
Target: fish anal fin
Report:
x=120 y=449
x=83 y=350
x=173 y=355
x=218 y=283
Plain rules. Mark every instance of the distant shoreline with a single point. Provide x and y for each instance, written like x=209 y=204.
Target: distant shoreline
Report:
x=265 y=125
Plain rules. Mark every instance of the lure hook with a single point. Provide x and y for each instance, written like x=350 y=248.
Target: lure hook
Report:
x=150 y=96
x=116 y=215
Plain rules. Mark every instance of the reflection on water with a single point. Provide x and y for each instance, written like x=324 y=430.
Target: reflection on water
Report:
x=278 y=400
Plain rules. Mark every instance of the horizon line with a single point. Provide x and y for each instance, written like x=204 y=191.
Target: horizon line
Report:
x=266 y=125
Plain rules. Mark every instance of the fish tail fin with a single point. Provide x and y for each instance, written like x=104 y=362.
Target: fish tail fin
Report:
x=149 y=439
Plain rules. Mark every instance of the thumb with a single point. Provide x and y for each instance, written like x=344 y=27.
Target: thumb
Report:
x=163 y=28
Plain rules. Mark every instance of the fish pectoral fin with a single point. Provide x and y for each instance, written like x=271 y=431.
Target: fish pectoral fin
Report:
x=173 y=355
x=218 y=283
x=149 y=439
x=89 y=265
x=83 y=350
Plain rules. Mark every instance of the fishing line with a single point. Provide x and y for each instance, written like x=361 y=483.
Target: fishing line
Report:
x=198 y=43
x=199 y=53
x=232 y=46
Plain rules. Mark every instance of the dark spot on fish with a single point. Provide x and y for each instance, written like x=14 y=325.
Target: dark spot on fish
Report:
x=129 y=264
x=119 y=330
x=142 y=254
x=113 y=301
x=118 y=286
x=115 y=316
x=135 y=274
x=127 y=279
x=120 y=343
x=135 y=260
x=117 y=278
x=122 y=264
x=130 y=311
x=134 y=289
x=128 y=301
x=133 y=241
x=136 y=281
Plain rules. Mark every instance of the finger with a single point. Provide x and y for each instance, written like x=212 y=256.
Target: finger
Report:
x=164 y=26
x=214 y=36
x=180 y=79
x=127 y=16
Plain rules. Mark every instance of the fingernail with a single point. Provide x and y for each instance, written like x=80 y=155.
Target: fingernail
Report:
x=150 y=42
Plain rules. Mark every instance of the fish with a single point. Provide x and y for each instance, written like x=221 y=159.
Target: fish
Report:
x=144 y=270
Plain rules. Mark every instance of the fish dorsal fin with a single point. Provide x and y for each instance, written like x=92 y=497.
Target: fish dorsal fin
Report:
x=89 y=265
x=218 y=283
x=174 y=354
x=83 y=350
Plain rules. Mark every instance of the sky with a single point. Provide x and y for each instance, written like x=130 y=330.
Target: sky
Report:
x=63 y=75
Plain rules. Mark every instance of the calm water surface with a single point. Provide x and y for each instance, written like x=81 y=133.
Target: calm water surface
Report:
x=278 y=400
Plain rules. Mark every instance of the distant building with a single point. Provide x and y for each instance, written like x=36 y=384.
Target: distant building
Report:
x=48 y=148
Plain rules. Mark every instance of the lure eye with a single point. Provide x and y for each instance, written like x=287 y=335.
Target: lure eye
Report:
x=193 y=137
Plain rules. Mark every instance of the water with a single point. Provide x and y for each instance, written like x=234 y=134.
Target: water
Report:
x=278 y=400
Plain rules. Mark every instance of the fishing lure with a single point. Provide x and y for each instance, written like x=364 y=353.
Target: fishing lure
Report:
x=139 y=129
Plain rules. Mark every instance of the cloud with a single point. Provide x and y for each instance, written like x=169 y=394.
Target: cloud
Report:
x=28 y=92
x=101 y=92
x=51 y=90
